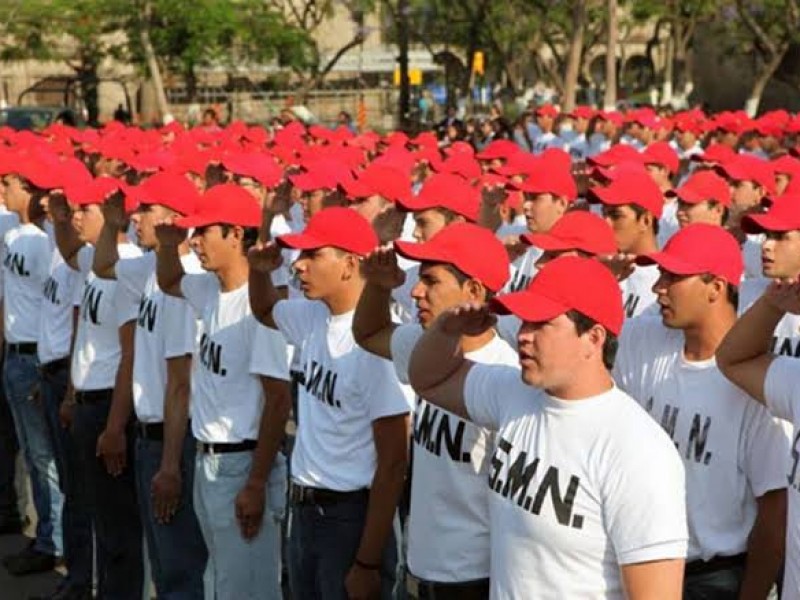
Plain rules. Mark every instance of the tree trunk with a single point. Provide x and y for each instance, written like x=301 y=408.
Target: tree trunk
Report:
x=669 y=67
x=610 y=100
x=762 y=79
x=574 y=54
x=404 y=103
x=152 y=66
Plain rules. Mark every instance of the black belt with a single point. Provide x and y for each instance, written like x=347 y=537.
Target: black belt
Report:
x=22 y=348
x=717 y=563
x=206 y=448
x=93 y=396
x=150 y=431
x=54 y=366
x=429 y=590
x=302 y=495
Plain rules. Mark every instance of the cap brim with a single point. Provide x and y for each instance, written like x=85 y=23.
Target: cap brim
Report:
x=669 y=263
x=412 y=204
x=424 y=252
x=765 y=222
x=356 y=189
x=528 y=306
x=545 y=241
x=300 y=241
x=685 y=195
x=600 y=195
x=194 y=221
x=305 y=182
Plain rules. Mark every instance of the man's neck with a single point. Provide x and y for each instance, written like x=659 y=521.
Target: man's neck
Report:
x=590 y=381
x=471 y=343
x=345 y=299
x=234 y=275
x=645 y=245
x=700 y=342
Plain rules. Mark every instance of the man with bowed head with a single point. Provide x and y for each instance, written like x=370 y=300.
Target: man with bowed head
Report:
x=576 y=507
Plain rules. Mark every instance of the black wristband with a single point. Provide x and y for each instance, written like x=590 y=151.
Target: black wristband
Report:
x=366 y=566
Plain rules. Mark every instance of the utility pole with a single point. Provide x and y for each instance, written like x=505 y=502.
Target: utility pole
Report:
x=610 y=100
x=404 y=106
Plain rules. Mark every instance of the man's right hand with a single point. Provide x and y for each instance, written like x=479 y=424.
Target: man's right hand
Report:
x=380 y=268
x=59 y=209
x=466 y=319
x=165 y=490
x=784 y=296
x=265 y=257
x=169 y=234
x=114 y=210
x=621 y=265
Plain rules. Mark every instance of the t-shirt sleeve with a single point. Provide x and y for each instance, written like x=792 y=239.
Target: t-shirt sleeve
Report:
x=764 y=449
x=126 y=303
x=781 y=387
x=77 y=287
x=269 y=357
x=198 y=289
x=133 y=273
x=296 y=318
x=381 y=390
x=487 y=393
x=280 y=277
x=644 y=499
x=180 y=328
x=85 y=258
x=404 y=338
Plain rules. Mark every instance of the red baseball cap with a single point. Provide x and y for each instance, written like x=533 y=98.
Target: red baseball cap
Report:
x=576 y=230
x=461 y=164
x=226 y=204
x=256 y=165
x=498 y=149
x=564 y=284
x=582 y=112
x=750 y=168
x=97 y=191
x=549 y=178
x=661 y=153
x=472 y=249
x=379 y=180
x=715 y=153
x=547 y=110
x=786 y=164
x=632 y=187
x=783 y=215
x=169 y=189
x=336 y=227
x=448 y=191
x=700 y=248
x=322 y=175
x=618 y=153
x=518 y=164
x=702 y=186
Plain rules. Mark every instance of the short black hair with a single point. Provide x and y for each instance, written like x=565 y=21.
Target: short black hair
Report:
x=215 y=175
x=731 y=291
x=249 y=237
x=462 y=278
x=639 y=211
x=584 y=324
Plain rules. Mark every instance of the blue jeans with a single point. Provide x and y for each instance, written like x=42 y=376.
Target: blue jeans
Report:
x=177 y=550
x=718 y=585
x=21 y=379
x=323 y=541
x=76 y=517
x=239 y=569
x=9 y=448
x=113 y=506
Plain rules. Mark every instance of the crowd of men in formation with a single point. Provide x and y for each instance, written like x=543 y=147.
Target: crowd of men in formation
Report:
x=563 y=366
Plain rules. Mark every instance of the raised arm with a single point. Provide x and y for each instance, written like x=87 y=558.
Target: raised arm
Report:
x=169 y=269
x=438 y=370
x=744 y=355
x=67 y=240
x=264 y=258
x=372 y=322
x=106 y=253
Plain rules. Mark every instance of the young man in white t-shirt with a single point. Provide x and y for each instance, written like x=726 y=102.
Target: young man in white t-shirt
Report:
x=164 y=340
x=101 y=378
x=704 y=197
x=733 y=450
x=586 y=491
x=26 y=256
x=780 y=259
x=745 y=357
x=239 y=379
x=448 y=551
x=351 y=451
x=632 y=205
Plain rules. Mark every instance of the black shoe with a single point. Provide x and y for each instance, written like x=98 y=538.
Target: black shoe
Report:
x=11 y=526
x=67 y=593
x=30 y=561
x=28 y=547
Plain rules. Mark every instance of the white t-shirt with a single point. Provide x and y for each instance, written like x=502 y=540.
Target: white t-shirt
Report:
x=783 y=399
x=234 y=349
x=344 y=390
x=668 y=223
x=450 y=467
x=543 y=141
x=523 y=269
x=61 y=293
x=733 y=450
x=577 y=488
x=97 y=350
x=578 y=147
x=404 y=309
x=751 y=253
x=26 y=264
x=165 y=328
x=786 y=339
x=637 y=291
x=8 y=220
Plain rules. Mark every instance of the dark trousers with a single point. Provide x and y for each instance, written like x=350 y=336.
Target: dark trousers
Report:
x=76 y=517
x=176 y=550
x=9 y=448
x=323 y=541
x=113 y=503
x=722 y=584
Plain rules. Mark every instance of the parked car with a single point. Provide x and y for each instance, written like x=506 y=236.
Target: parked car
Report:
x=38 y=117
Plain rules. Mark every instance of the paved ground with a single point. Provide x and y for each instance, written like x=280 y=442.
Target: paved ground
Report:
x=21 y=588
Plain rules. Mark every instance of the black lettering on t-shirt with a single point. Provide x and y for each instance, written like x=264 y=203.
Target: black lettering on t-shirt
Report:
x=785 y=347
x=521 y=473
x=148 y=311
x=669 y=419
x=211 y=356
x=90 y=304
x=15 y=263
x=698 y=436
x=51 y=291
x=631 y=302
x=792 y=475
x=432 y=419
x=321 y=383
x=519 y=282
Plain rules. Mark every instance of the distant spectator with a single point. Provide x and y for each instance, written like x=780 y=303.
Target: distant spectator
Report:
x=122 y=115
x=210 y=120
x=346 y=119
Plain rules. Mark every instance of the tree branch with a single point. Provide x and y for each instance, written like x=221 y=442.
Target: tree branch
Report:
x=761 y=35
